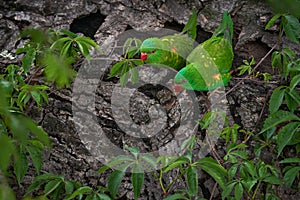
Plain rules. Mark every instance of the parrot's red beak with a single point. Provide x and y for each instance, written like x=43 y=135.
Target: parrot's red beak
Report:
x=177 y=89
x=144 y=56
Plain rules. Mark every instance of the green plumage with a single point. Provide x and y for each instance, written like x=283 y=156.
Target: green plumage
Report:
x=169 y=50
x=210 y=62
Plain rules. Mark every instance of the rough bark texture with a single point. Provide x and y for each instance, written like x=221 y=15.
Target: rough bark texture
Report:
x=104 y=20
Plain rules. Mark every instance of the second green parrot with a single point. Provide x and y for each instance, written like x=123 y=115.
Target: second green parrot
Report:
x=209 y=64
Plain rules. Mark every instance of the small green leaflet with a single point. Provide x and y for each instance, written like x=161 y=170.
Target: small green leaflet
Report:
x=291 y=27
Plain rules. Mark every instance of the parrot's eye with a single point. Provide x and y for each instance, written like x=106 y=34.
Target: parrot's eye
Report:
x=153 y=51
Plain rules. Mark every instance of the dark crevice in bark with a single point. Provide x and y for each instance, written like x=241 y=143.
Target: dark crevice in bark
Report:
x=88 y=25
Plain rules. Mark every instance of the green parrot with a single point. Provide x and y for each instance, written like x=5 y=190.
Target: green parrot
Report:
x=208 y=65
x=170 y=50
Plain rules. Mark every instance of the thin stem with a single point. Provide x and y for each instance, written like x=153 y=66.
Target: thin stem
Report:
x=213 y=150
x=174 y=180
x=256 y=190
x=213 y=191
x=256 y=66
x=161 y=183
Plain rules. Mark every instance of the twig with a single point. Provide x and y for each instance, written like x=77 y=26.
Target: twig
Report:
x=256 y=81
x=213 y=191
x=256 y=66
x=213 y=150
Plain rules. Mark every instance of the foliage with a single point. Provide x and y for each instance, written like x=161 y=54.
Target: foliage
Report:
x=247 y=68
x=135 y=163
x=126 y=67
x=238 y=174
x=289 y=24
x=159 y=167
x=71 y=45
x=21 y=139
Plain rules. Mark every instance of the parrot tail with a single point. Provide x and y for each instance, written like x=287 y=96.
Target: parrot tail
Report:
x=226 y=27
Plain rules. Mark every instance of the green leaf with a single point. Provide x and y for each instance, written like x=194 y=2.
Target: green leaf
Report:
x=207 y=119
x=132 y=52
x=227 y=190
x=6 y=150
x=117 y=68
x=33 y=187
x=58 y=70
x=20 y=164
x=137 y=180
x=214 y=169
x=133 y=150
x=51 y=186
x=272 y=21
x=277 y=118
x=69 y=187
x=150 y=159
x=273 y=180
x=66 y=48
x=276 y=99
x=46 y=177
x=241 y=154
x=89 y=43
x=232 y=147
x=295 y=81
x=125 y=76
x=114 y=182
x=269 y=196
x=27 y=123
x=137 y=62
x=290 y=175
x=238 y=191
x=176 y=196
x=80 y=191
x=36 y=157
x=192 y=180
x=37 y=97
x=267 y=76
x=6 y=193
x=68 y=33
x=249 y=183
x=232 y=171
x=103 y=197
x=292 y=98
x=84 y=48
x=243 y=69
x=58 y=43
x=276 y=59
x=291 y=27
x=28 y=59
x=290 y=160
x=127 y=45
x=188 y=143
x=250 y=167
x=114 y=162
x=175 y=163
x=134 y=75
x=285 y=135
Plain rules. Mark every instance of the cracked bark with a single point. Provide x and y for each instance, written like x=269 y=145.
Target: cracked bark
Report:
x=108 y=19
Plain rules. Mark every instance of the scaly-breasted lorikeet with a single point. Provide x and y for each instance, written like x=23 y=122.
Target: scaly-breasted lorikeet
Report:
x=210 y=62
x=170 y=50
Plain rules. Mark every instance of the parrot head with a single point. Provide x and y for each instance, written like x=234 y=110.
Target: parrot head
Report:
x=152 y=51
